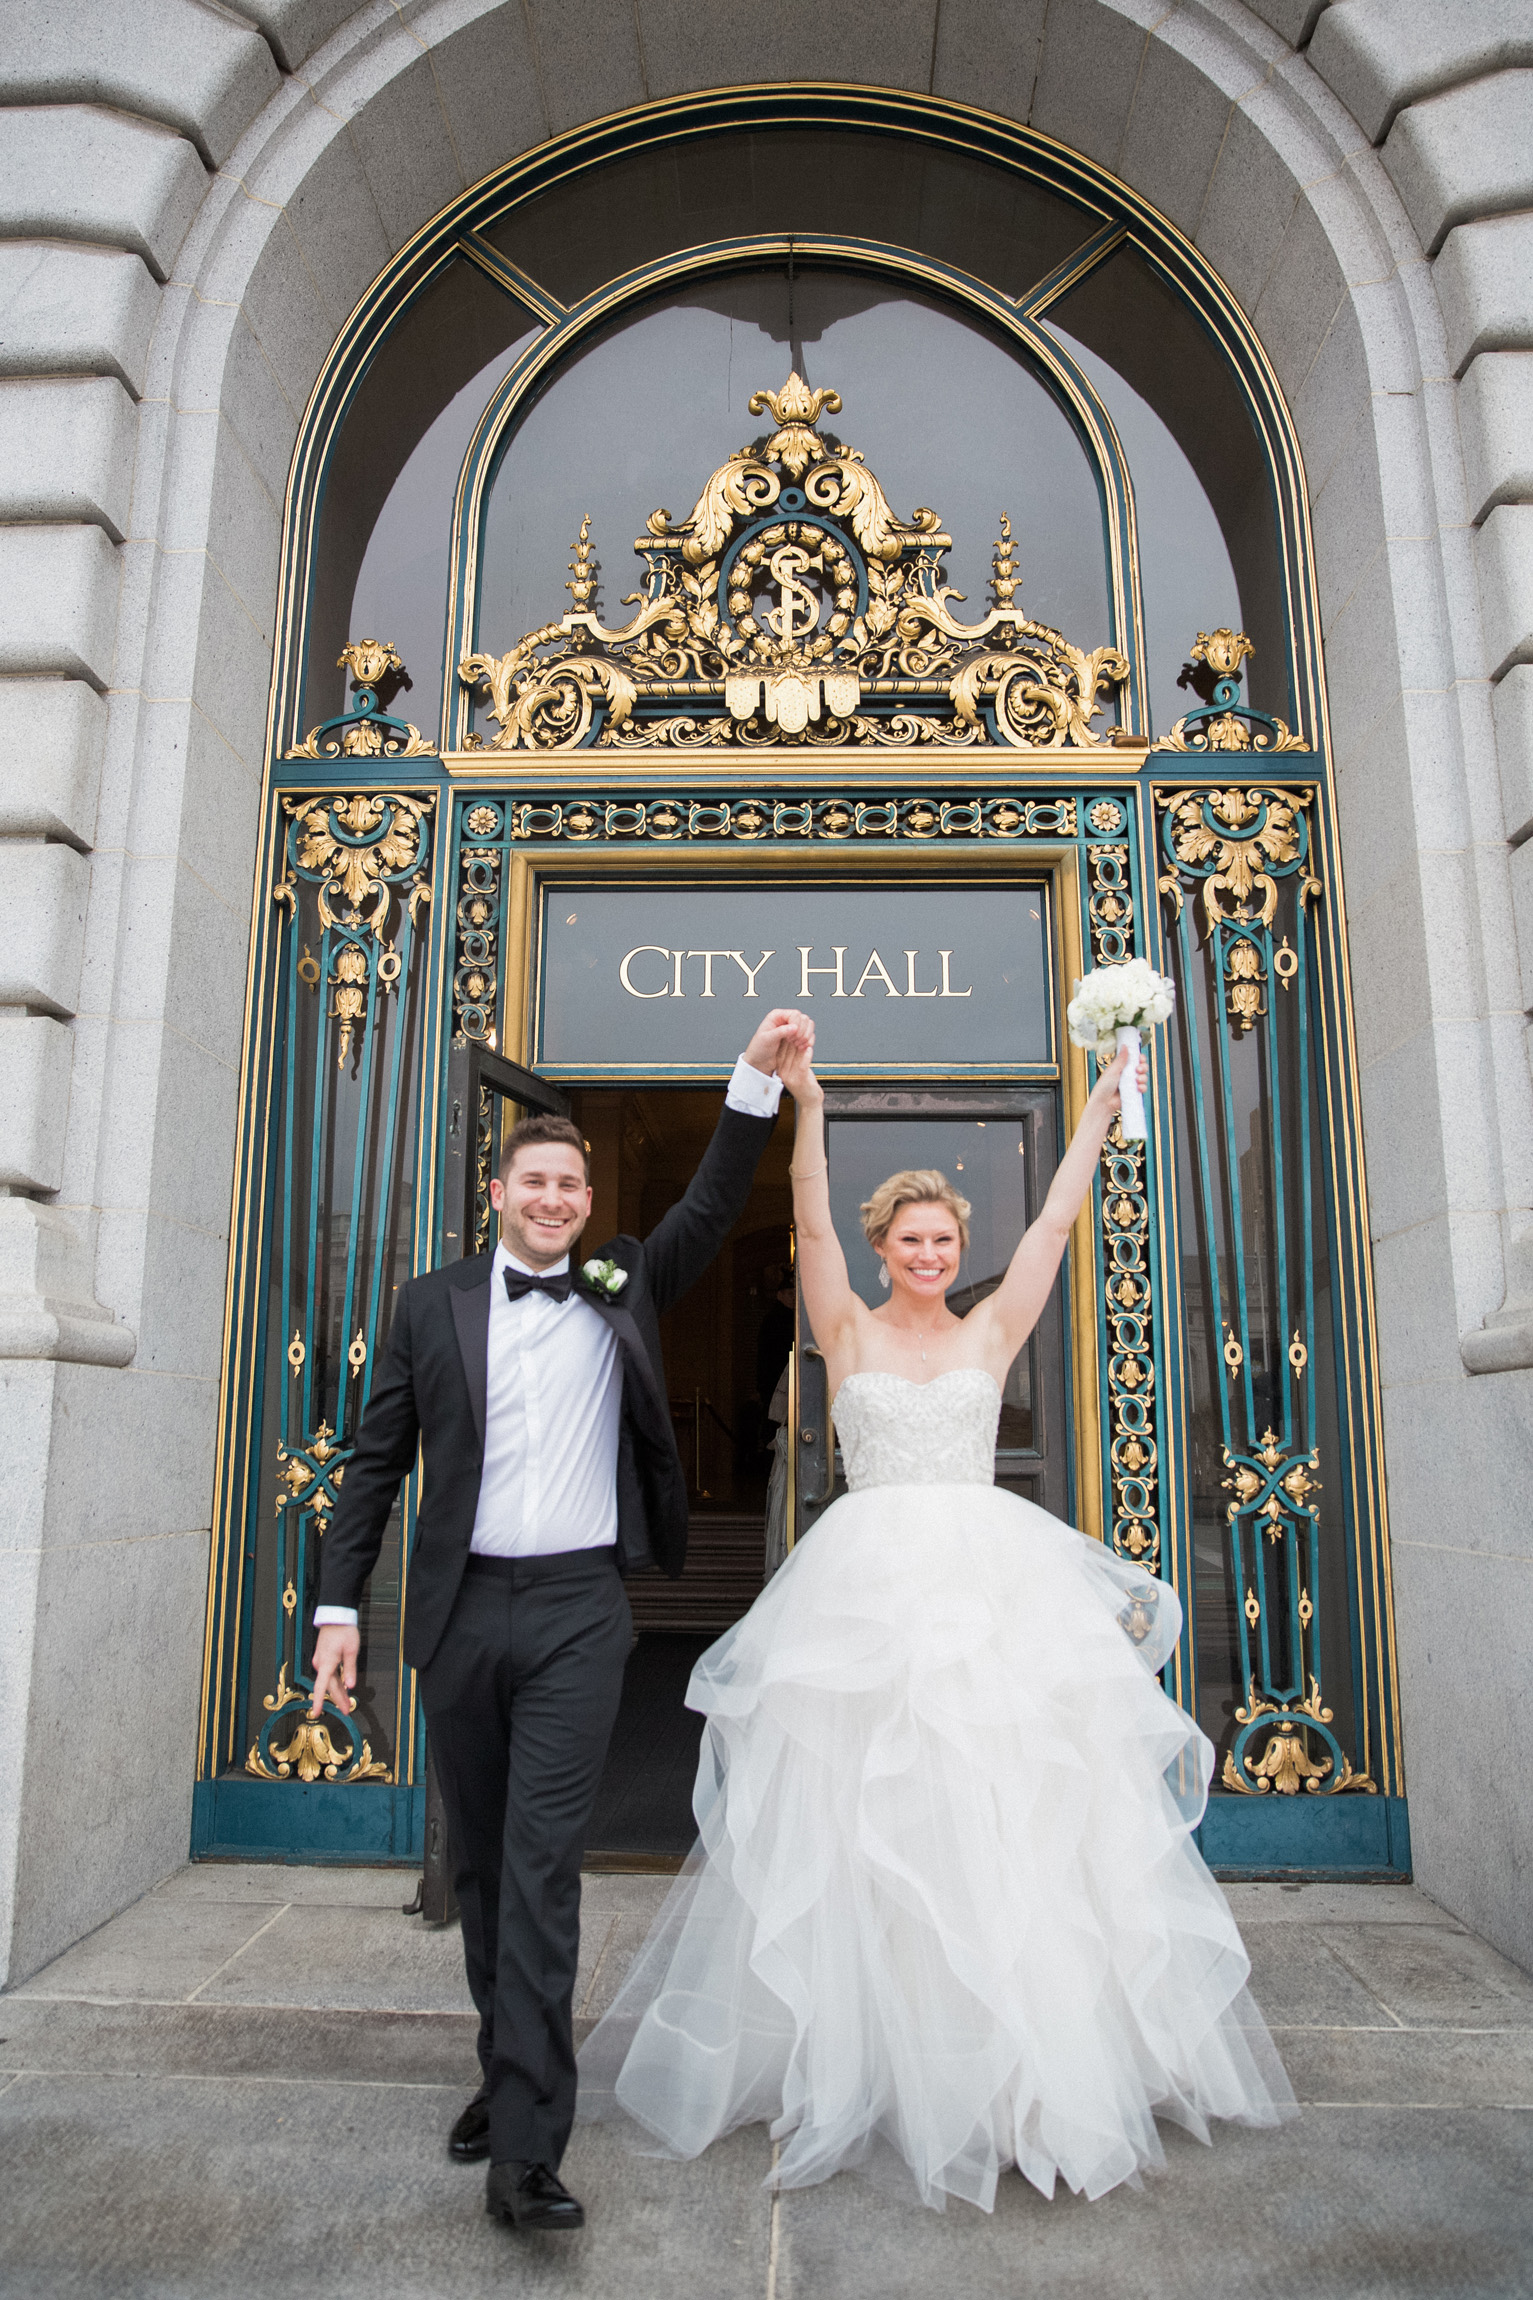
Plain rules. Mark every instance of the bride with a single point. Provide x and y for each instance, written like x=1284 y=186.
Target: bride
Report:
x=945 y=1894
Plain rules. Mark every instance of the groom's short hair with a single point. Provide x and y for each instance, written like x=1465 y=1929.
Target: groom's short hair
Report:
x=543 y=1127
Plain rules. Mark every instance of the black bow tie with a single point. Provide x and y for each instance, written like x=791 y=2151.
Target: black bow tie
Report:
x=558 y=1287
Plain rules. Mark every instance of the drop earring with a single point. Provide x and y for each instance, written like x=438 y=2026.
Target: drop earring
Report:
x=883 y=1273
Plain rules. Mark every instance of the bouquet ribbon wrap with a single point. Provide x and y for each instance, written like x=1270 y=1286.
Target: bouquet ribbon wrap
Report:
x=1132 y=1120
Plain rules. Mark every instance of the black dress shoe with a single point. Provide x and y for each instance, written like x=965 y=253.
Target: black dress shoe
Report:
x=532 y=2196
x=469 y=2140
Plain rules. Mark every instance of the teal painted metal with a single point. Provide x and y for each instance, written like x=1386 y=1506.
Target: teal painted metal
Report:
x=356 y=863
x=1244 y=845
x=1136 y=1373
x=1139 y=1341
x=240 y=1820
x=1353 y=1837
x=345 y=1006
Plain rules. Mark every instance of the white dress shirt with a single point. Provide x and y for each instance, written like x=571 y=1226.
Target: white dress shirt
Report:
x=553 y=1404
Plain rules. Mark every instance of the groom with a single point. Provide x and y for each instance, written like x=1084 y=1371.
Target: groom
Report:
x=537 y=1398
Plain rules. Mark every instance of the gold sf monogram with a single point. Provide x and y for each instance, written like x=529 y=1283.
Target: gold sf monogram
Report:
x=788 y=563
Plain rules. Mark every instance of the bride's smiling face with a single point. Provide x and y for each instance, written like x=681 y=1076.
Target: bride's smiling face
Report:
x=922 y=1250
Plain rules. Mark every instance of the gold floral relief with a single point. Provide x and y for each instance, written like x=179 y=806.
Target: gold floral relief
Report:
x=793 y=604
x=1240 y=841
x=366 y=732
x=1227 y=724
x=368 y=853
x=310 y=1751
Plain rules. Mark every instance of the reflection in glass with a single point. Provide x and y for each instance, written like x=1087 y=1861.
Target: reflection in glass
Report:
x=1186 y=581
x=402 y=582
x=897 y=190
x=943 y=412
x=1123 y=313
x=385 y=525
x=984 y=1159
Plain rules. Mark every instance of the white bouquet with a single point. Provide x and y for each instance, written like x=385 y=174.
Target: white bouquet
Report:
x=1112 y=1004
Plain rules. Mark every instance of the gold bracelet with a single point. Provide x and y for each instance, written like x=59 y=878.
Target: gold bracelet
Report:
x=800 y=1175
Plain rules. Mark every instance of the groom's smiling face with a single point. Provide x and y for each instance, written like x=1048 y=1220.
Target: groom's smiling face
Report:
x=543 y=1201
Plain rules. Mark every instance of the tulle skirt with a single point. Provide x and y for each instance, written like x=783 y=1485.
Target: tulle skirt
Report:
x=945 y=1895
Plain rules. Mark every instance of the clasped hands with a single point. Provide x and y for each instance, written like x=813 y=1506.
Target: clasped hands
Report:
x=777 y=1037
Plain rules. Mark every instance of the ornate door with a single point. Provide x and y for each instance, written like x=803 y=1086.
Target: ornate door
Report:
x=795 y=711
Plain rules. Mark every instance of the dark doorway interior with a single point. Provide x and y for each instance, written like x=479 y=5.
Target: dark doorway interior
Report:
x=725 y=1345
x=645 y=1802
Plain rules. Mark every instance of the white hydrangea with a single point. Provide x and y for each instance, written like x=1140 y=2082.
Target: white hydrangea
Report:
x=1111 y=996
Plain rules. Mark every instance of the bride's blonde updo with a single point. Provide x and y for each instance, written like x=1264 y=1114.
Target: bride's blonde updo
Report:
x=917 y=1186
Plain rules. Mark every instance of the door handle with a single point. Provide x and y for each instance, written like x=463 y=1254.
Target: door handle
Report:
x=809 y=1435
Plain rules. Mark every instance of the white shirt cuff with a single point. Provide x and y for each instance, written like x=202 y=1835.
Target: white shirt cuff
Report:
x=751 y=1091
x=325 y=1615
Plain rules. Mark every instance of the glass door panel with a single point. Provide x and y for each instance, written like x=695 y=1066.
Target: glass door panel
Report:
x=999 y=1148
x=486 y=1097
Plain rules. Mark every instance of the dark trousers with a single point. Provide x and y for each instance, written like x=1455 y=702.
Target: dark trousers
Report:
x=520 y=1699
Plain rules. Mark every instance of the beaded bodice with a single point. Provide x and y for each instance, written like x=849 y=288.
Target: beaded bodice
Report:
x=899 y=1432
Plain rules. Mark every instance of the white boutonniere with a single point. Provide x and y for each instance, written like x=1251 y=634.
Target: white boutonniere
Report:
x=604 y=1278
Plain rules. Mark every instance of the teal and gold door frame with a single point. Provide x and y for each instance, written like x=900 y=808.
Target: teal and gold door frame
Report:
x=337 y=1182
x=479 y=859
x=796 y=702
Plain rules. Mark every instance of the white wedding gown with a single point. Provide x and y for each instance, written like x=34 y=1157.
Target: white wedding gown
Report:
x=945 y=1894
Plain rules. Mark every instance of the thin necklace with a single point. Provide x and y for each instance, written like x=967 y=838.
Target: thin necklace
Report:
x=919 y=1335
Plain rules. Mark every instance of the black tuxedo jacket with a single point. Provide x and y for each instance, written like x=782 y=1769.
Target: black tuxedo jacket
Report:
x=429 y=1392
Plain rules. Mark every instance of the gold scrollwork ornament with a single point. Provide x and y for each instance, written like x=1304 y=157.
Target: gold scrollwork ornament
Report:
x=1228 y=724
x=1133 y=1459
x=1240 y=853
x=310 y=1750
x=589 y=819
x=769 y=616
x=359 y=846
x=355 y=844
x=365 y=732
x=302 y=1474
x=1286 y=1765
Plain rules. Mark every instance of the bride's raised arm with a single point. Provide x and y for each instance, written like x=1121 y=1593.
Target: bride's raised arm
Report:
x=1017 y=1303
x=828 y=1296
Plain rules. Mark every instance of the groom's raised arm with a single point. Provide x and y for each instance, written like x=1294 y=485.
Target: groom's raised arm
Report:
x=684 y=1242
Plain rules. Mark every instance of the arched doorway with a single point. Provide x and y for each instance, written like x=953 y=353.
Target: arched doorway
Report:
x=1089 y=762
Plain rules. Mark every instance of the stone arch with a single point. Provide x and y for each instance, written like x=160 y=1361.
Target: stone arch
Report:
x=328 y=158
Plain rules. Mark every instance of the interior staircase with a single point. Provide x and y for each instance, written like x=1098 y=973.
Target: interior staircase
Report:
x=721 y=1579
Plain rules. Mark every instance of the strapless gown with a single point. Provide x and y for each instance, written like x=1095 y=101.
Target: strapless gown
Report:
x=945 y=1894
